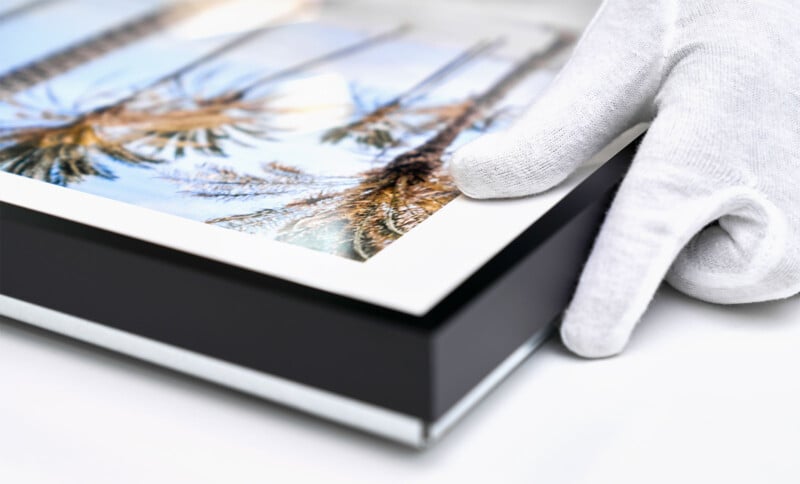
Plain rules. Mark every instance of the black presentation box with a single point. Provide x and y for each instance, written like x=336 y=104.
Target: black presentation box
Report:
x=417 y=368
x=267 y=204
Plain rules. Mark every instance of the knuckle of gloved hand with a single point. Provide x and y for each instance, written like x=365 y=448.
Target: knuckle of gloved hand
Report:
x=746 y=255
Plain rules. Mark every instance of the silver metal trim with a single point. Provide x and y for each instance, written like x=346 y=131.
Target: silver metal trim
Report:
x=389 y=424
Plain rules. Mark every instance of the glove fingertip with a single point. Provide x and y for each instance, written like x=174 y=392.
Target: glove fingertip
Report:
x=589 y=342
x=469 y=166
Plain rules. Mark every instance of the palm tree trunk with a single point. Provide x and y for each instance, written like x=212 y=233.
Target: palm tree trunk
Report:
x=327 y=57
x=186 y=68
x=464 y=58
x=24 y=8
x=68 y=58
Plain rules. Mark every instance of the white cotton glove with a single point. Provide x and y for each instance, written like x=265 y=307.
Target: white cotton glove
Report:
x=712 y=200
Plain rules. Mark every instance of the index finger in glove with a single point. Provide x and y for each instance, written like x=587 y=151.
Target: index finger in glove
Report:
x=607 y=87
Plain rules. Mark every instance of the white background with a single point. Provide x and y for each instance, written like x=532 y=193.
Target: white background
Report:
x=704 y=394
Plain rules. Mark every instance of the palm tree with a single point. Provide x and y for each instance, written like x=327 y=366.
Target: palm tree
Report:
x=68 y=150
x=358 y=216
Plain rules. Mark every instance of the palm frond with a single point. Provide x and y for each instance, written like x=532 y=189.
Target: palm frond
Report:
x=273 y=219
x=173 y=128
x=65 y=154
x=225 y=183
x=376 y=129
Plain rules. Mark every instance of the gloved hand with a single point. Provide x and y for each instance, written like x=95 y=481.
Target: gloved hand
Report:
x=712 y=200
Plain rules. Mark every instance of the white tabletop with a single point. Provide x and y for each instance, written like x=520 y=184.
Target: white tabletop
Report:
x=703 y=394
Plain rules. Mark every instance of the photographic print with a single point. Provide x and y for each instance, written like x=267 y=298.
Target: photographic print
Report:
x=335 y=149
x=303 y=147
